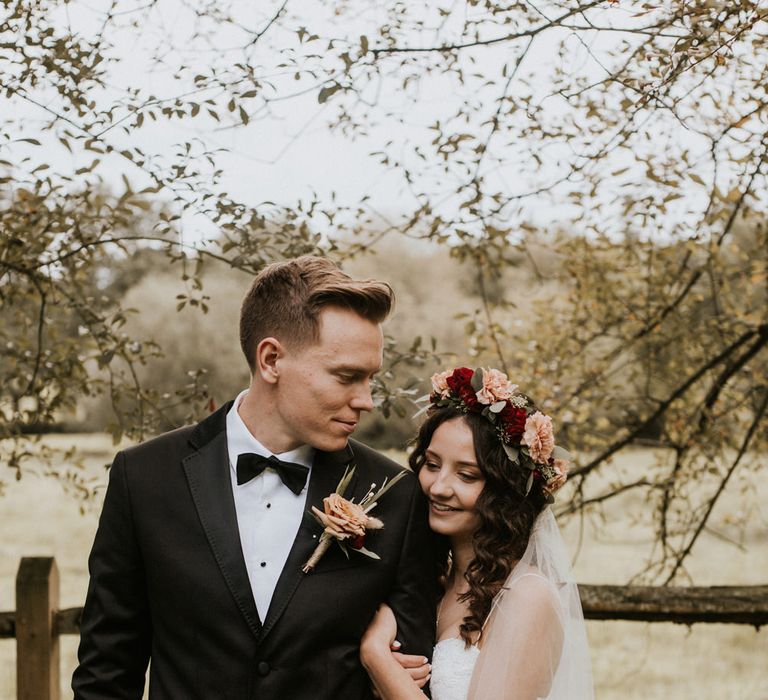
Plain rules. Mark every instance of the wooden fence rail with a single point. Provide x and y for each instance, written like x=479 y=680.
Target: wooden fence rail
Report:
x=37 y=621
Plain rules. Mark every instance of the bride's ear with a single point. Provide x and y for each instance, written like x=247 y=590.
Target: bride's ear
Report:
x=268 y=353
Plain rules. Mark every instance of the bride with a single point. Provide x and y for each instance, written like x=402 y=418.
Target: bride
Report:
x=509 y=624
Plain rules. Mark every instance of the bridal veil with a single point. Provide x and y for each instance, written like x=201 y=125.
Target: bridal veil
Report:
x=534 y=642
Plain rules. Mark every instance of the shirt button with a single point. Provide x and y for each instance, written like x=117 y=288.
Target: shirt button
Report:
x=263 y=668
x=263 y=563
x=269 y=505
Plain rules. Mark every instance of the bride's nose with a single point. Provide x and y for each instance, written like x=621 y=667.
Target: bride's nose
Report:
x=441 y=485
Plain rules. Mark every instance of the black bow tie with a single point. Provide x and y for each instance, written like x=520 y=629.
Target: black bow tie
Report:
x=250 y=465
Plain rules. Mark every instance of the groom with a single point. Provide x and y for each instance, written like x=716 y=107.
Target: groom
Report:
x=197 y=562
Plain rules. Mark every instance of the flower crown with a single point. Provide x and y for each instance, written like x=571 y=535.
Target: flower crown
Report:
x=525 y=433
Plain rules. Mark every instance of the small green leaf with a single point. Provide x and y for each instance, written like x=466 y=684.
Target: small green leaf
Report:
x=368 y=553
x=326 y=92
x=512 y=452
x=106 y=358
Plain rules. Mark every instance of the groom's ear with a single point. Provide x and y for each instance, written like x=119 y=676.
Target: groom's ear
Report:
x=268 y=352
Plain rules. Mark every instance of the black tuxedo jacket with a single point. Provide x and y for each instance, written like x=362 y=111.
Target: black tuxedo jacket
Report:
x=169 y=584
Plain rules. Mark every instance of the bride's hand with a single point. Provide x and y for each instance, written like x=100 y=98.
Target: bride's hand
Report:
x=418 y=667
x=379 y=639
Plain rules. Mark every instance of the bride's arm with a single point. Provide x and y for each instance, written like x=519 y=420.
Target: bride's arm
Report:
x=391 y=680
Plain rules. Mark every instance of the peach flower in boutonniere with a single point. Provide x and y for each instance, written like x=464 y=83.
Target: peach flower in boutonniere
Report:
x=347 y=522
x=344 y=519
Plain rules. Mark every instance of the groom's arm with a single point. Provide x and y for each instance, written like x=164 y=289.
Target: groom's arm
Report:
x=115 y=634
x=414 y=595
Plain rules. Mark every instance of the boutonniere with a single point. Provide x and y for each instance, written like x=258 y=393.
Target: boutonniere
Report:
x=347 y=522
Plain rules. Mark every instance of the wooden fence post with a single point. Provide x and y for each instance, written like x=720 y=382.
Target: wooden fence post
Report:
x=37 y=639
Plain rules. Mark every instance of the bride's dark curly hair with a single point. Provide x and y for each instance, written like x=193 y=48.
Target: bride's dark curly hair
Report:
x=506 y=514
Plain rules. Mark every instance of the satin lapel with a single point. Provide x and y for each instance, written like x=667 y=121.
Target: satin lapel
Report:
x=209 y=480
x=327 y=471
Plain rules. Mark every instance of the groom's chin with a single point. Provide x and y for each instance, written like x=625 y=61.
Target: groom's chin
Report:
x=331 y=443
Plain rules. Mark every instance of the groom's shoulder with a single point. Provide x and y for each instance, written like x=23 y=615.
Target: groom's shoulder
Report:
x=363 y=453
x=164 y=444
x=366 y=457
x=183 y=440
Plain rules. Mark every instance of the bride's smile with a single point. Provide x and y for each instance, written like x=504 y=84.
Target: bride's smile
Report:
x=441 y=508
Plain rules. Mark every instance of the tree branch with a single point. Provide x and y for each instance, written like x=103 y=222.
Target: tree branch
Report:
x=489 y=42
x=761 y=331
x=713 y=501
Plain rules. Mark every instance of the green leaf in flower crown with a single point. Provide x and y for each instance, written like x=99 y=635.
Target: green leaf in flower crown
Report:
x=529 y=484
x=477 y=379
x=512 y=452
x=486 y=413
x=560 y=453
x=498 y=407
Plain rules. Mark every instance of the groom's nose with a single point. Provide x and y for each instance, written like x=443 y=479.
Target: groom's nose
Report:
x=362 y=400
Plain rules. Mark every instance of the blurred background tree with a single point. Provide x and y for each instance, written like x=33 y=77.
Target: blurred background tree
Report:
x=582 y=202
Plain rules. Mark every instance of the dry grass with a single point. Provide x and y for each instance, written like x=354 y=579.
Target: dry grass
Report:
x=631 y=660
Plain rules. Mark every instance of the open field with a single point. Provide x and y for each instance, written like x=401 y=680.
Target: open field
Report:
x=631 y=660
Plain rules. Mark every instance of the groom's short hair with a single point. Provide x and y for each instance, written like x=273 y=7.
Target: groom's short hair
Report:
x=286 y=298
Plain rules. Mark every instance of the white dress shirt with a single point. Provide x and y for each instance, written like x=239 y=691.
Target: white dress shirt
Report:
x=268 y=512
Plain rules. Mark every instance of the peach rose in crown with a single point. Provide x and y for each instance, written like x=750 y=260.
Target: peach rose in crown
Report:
x=496 y=387
x=440 y=383
x=559 y=469
x=539 y=437
x=343 y=519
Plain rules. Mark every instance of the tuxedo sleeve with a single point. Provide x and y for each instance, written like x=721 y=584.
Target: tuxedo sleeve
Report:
x=414 y=595
x=115 y=632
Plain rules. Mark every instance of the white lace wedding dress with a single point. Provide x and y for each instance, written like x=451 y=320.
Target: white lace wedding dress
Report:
x=534 y=642
x=452 y=666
